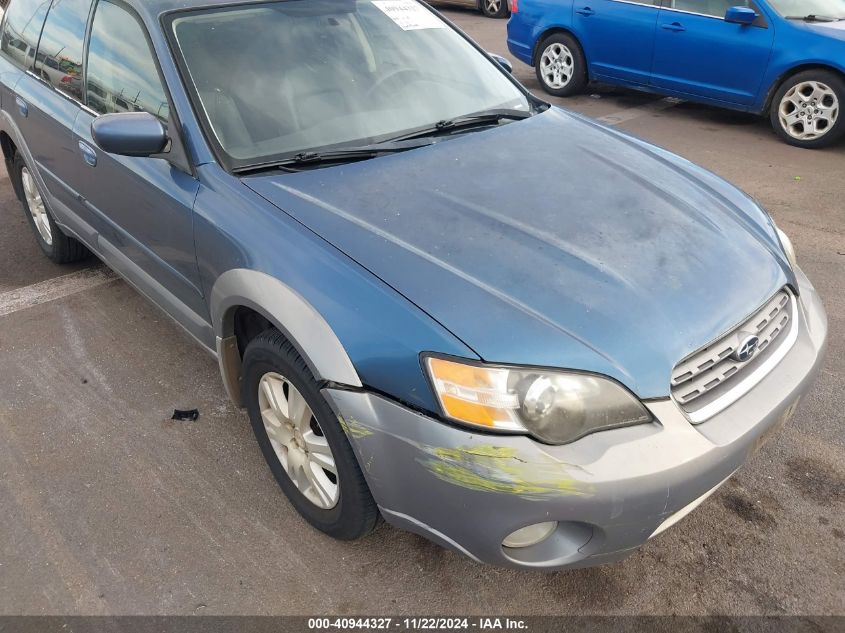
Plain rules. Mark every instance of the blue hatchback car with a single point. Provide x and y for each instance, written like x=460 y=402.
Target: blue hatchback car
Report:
x=540 y=371
x=781 y=58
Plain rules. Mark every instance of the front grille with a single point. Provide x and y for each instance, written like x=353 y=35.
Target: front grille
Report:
x=708 y=374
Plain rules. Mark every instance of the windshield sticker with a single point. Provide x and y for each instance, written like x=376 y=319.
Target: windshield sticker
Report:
x=409 y=15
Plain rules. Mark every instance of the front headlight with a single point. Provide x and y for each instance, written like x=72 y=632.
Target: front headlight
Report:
x=787 y=247
x=555 y=407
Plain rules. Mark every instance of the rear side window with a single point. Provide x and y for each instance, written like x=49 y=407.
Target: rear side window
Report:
x=122 y=74
x=24 y=19
x=59 y=59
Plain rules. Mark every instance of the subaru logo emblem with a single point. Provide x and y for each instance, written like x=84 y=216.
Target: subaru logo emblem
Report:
x=746 y=349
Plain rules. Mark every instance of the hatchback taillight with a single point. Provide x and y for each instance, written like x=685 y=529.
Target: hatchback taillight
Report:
x=514 y=6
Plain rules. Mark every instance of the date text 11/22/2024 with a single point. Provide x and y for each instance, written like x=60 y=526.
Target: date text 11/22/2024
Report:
x=418 y=624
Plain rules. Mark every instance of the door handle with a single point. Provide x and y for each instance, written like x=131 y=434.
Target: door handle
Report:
x=585 y=11
x=675 y=26
x=23 y=107
x=88 y=154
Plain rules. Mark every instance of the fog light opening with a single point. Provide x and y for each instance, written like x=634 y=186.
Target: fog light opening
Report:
x=530 y=535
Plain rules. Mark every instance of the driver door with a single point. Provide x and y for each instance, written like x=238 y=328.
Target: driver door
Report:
x=142 y=207
x=700 y=54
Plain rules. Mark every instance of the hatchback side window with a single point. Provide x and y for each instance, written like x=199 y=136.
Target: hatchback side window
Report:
x=21 y=30
x=122 y=74
x=59 y=59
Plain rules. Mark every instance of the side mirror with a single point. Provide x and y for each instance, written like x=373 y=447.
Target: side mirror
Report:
x=129 y=134
x=502 y=62
x=741 y=15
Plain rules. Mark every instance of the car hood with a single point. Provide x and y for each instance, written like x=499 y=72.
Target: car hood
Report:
x=553 y=242
x=835 y=30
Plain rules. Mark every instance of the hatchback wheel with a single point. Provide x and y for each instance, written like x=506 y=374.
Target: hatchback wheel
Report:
x=806 y=110
x=494 y=8
x=302 y=442
x=56 y=245
x=560 y=66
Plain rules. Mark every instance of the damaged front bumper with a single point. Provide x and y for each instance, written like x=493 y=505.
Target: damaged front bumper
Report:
x=608 y=492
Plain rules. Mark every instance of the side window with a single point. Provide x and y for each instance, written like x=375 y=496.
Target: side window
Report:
x=59 y=59
x=715 y=8
x=122 y=75
x=21 y=30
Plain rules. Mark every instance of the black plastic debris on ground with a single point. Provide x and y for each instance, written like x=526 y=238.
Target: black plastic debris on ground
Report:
x=188 y=415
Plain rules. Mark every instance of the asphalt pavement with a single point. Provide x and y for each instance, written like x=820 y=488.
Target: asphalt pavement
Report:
x=109 y=507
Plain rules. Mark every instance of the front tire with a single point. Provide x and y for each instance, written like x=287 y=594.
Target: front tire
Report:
x=560 y=65
x=494 y=8
x=59 y=247
x=302 y=442
x=806 y=110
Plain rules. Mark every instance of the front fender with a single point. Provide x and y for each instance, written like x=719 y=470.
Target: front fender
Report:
x=347 y=324
x=292 y=315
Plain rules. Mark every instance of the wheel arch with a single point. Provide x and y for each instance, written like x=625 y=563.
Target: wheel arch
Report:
x=13 y=143
x=565 y=31
x=242 y=300
x=9 y=148
x=794 y=70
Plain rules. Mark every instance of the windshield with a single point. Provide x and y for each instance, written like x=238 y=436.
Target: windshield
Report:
x=801 y=8
x=279 y=78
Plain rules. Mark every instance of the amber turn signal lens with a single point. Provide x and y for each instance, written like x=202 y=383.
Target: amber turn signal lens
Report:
x=473 y=394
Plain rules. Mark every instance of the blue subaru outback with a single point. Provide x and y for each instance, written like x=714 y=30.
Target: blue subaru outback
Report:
x=784 y=59
x=541 y=371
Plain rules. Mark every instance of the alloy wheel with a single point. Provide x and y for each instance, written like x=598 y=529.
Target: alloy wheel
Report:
x=808 y=110
x=492 y=7
x=298 y=440
x=557 y=66
x=36 y=206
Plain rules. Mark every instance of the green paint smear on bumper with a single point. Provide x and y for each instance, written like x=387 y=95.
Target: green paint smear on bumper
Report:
x=353 y=428
x=501 y=469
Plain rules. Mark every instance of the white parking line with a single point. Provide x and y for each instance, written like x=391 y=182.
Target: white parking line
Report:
x=52 y=289
x=632 y=113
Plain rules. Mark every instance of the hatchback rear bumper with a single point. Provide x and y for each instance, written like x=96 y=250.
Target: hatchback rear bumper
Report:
x=609 y=492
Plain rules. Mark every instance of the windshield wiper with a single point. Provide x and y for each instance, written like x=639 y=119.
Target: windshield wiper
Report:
x=813 y=18
x=317 y=158
x=450 y=126
x=313 y=159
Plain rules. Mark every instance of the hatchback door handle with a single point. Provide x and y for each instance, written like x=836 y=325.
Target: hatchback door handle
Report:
x=88 y=154
x=675 y=26
x=585 y=11
x=23 y=107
